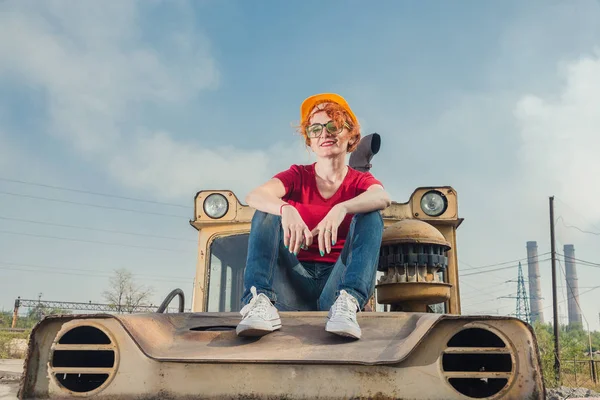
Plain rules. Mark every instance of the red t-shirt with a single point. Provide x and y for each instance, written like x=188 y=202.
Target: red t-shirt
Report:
x=301 y=191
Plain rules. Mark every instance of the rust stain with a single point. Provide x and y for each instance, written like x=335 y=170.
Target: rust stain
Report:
x=379 y=373
x=165 y=395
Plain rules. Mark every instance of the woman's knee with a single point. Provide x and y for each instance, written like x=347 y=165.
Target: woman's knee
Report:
x=261 y=219
x=371 y=219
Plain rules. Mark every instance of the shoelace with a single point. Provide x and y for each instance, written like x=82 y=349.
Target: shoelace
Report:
x=345 y=305
x=257 y=306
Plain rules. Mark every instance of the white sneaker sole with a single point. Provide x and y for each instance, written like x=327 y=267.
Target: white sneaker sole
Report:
x=258 y=328
x=343 y=329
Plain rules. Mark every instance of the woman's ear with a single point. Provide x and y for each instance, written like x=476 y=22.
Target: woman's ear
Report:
x=352 y=143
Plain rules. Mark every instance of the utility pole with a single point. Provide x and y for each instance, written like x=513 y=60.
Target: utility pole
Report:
x=554 y=298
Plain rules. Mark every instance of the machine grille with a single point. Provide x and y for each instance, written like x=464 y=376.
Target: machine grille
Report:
x=477 y=363
x=83 y=360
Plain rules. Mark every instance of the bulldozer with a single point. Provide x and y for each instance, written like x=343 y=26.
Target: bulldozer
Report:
x=415 y=344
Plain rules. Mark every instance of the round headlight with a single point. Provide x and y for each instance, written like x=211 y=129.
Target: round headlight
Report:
x=216 y=205
x=433 y=203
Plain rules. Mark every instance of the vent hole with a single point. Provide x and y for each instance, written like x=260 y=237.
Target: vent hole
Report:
x=84 y=335
x=83 y=358
x=476 y=337
x=213 y=328
x=81 y=383
x=478 y=388
x=477 y=362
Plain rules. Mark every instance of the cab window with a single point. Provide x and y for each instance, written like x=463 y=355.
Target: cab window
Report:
x=226 y=273
x=226 y=276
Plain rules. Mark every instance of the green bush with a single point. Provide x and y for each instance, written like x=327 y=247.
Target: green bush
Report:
x=573 y=344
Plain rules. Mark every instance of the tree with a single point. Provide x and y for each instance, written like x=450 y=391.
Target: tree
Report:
x=124 y=294
x=40 y=311
x=545 y=340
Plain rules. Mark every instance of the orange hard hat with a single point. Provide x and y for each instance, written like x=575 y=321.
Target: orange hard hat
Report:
x=309 y=103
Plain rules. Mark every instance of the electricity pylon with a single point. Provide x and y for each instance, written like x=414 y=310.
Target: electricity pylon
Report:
x=522 y=310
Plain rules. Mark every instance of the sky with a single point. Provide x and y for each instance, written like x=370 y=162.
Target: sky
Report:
x=126 y=100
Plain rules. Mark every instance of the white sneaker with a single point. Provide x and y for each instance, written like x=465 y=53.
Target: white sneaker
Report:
x=342 y=316
x=259 y=316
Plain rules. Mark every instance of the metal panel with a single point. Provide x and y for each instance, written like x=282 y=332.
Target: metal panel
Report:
x=419 y=376
x=386 y=338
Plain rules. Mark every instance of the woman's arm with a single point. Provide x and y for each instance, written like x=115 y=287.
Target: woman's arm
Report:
x=374 y=198
x=267 y=197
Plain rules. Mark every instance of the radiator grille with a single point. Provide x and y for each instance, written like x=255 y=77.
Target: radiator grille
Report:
x=477 y=363
x=83 y=360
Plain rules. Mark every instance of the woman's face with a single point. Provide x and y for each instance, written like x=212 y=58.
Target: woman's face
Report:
x=328 y=144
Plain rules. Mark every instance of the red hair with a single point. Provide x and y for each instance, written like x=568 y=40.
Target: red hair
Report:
x=337 y=114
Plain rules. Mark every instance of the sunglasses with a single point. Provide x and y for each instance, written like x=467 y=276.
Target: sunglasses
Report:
x=315 y=130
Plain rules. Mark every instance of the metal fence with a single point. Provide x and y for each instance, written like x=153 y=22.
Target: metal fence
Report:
x=580 y=373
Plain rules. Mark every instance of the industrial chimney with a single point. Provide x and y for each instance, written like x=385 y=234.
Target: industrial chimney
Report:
x=572 y=285
x=535 y=291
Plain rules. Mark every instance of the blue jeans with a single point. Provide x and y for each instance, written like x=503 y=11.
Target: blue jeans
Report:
x=295 y=286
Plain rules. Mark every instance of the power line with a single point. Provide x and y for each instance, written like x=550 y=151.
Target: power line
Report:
x=592 y=288
x=575 y=227
x=484 y=301
x=52 y=272
x=576 y=212
x=483 y=288
x=490 y=295
x=571 y=290
x=98 y=274
x=497 y=269
x=504 y=263
x=482 y=291
x=89 y=204
x=86 y=275
x=582 y=262
x=580 y=287
x=89 y=192
x=95 y=229
x=93 y=271
x=580 y=294
x=88 y=241
x=490 y=276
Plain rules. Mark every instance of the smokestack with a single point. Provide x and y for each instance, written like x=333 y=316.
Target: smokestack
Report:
x=535 y=291
x=572 y=285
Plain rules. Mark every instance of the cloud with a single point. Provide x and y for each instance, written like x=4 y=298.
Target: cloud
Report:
x=527 y=129
x=159 y=162
x=559 y=134
x=100 y=77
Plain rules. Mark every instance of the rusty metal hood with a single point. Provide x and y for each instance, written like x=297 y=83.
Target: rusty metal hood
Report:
x=413 y=231
x=187 y=337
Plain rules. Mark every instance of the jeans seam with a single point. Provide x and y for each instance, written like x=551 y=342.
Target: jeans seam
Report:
x=349 y=258
x=274 y=254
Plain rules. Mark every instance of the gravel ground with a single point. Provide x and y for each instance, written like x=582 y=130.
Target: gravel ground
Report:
x=9 y=388
x=564 y=392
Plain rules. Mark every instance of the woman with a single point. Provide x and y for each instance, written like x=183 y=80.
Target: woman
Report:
x=316 y=233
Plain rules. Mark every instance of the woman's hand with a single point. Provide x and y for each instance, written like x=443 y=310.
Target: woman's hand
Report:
x=328 y=228
x=295 y=230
